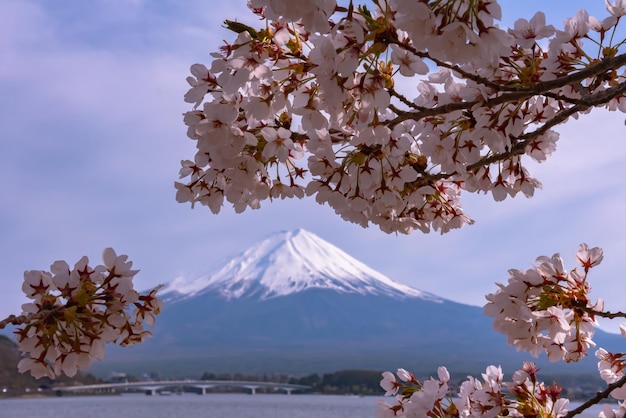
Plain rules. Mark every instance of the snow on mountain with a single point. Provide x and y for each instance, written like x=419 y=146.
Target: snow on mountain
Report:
x=290 y=262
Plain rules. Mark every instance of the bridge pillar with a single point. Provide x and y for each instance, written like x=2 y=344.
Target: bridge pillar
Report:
x=253 y=391
x=202 y=391
x=288 y=391
x=151 y=392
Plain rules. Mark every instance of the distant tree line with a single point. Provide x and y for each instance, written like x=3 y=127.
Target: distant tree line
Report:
x=367 y=382
x=358 y=382
x=361 y=382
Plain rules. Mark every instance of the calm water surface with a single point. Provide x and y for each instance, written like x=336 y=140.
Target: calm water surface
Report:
x=191 y=406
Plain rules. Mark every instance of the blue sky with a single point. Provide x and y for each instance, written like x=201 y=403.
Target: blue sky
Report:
x=91 y=137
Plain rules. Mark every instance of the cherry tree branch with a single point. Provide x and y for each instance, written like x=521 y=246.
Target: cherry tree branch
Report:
x=404 y=100
x=585 y=102
x=33 y=316
x=13 y=320
x=523 y=141
x=595 y=69
x=518 y=149
x=604 y=314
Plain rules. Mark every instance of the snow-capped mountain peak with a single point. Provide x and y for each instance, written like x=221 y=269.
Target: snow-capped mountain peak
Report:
x=290 y=262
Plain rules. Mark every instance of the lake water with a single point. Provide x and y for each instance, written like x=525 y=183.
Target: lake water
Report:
x=191 y=406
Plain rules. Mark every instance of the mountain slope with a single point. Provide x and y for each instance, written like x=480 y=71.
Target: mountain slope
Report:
x=295 y=303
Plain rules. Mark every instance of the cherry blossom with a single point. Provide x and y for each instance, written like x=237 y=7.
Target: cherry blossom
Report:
x=587 y=257
x=491 y=396
x=74 y=312
x=611 y=367
x=319 y=97
x=389 y=383
x=609 y=412
x=616 y=8
x=527 y=33
x=539 y=309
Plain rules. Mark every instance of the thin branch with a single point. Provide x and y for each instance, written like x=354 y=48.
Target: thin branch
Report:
x=565 y=99
x=510 y=93
x=14 y=320
x=454 y=106
x=464 y=74
x=589 y=101
x=520 y=147
x=434 y=111
x=34 y=316
x=404 y=100
x=607 y=314
x=599 y=396
x=600 y=67
x=524 y=140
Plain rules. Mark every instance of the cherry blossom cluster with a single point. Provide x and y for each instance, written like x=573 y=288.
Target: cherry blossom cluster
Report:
x=611 y=367
x=490 y=397
x=75 y=312
x=320 y=102
x=609 y=412
x=546 y=308
x=543 y=309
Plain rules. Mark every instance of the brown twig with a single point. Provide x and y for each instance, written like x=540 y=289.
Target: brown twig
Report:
x=600 y=67
x=14 y=320
x=404 y=100
x=607 y=314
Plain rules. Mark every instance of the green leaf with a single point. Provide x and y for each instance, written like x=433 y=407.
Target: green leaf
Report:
x=239 y=27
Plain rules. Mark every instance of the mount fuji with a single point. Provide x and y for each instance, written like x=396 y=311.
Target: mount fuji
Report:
x=295 y=303
x=286 y=263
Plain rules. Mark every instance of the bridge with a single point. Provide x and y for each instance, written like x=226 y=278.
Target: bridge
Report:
x=197 y=386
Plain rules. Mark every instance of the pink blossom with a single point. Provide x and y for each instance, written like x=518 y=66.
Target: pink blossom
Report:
x=389 y=383
x=279 y=143
x=617 y=8
x=526 y=32
x=587 y=257
x=76 y=311
x=36 y=283
x=408 y=64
